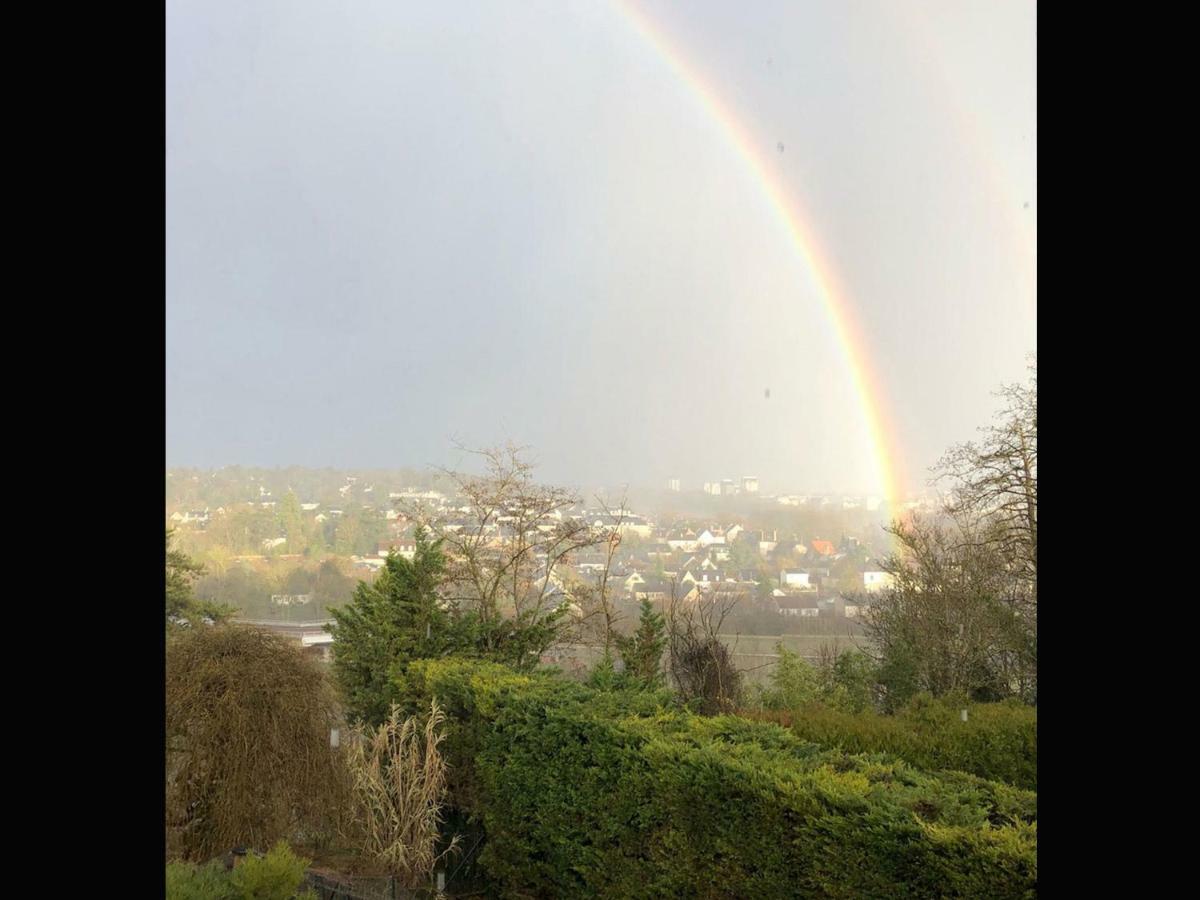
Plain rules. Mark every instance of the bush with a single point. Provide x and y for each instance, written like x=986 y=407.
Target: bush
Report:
x=793 y=682
x=187 y=881
x=612 y=794
x=247 y=726
x=276 y=876
x=998 y=741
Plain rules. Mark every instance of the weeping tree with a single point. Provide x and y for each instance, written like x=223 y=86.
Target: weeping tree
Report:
x=248 y=756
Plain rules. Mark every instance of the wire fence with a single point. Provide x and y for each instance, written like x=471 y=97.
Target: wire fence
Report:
x=336 y=886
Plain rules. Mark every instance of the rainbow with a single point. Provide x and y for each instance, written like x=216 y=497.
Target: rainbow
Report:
x=853 y=346
x=1020 y=223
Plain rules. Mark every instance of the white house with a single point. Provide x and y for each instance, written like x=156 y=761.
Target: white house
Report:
x=796 y=579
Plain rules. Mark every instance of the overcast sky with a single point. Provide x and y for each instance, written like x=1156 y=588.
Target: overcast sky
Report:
x=392 y=225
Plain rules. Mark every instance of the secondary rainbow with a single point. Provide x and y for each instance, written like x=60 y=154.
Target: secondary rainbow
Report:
x=853 y=346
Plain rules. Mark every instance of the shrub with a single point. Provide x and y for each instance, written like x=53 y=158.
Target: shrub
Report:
x=187 y=881
x=998 y=741
x=276 y=876
x=612 y=794
x=793 y=682
x=247 y=726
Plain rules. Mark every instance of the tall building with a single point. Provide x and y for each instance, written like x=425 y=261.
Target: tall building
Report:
x=749 y=484
x=673 y=485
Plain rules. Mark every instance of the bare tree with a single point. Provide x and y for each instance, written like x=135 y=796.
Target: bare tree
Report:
x=993 y=500
x=598 y=614
x=994 y=482
x=505 y=553
x=700 y=662
x=947 y=622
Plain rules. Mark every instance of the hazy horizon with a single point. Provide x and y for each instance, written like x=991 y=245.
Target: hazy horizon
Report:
x=390 y=227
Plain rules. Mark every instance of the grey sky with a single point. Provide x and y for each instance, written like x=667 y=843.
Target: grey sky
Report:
x=393 y=224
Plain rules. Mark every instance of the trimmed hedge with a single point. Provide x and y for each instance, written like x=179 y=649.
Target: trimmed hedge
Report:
x=998 y=741
x=591 y=793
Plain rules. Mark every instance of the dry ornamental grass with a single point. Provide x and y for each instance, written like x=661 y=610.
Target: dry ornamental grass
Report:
x=398 y=778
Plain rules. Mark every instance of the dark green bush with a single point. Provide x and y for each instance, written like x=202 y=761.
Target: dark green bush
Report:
x=998 y=741
x=614 y=794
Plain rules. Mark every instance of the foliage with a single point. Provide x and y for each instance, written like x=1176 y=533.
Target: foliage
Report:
x=502 y=566
x=701 y=664
x=793 y=682
x=395 y=619
x=188 y=881
x=850 y=683
x=248 y=718
x=947 y=623
x=277 y=875
x=399 y=784
x=585 y=793
x=643 y=650
x=998 y=741
x=182 y=606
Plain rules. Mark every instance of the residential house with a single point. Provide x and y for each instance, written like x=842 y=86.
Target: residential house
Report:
x=684 y=540
x=798 y=606
x=405 y=547
x=767 y=541
x=796 y=580
x=633 y=580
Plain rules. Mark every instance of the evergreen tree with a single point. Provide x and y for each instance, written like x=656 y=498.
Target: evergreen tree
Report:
x=396 y=619
x=182 y=605
x=642 y=651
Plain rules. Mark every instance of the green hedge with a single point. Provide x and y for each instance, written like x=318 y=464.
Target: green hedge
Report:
x=998 y=741
x=613 y=794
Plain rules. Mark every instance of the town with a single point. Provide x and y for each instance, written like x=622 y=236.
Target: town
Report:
x=797 y=568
